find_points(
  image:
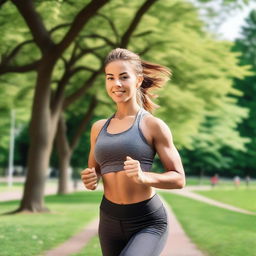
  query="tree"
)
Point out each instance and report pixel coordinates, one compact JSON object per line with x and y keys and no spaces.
{"x":48,"y":103}
{"x":245,"y":162}
{"x":45,"y":113}
{"x":209,"y":61}
{"x":119,"y":39}
{"x":184,"y":46}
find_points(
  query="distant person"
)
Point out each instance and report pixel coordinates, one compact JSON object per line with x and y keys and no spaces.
{"x":247,"y":180}
{"x":133,"y":219}
{"x":214,"y":180}
{"x":237,"y":181}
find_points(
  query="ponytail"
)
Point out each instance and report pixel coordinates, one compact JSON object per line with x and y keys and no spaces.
{"x":155,"y":76}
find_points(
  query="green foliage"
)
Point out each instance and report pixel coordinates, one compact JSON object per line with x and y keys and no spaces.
{"x":245,"y":161}
{"x":198,"y":103}
{"x":16,"y":94}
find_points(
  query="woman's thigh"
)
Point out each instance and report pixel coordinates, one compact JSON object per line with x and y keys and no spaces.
{"x":147,"y":235}
{"x":144,"y":234}
{"x":145,"y":244}
{"x":111,"y":237}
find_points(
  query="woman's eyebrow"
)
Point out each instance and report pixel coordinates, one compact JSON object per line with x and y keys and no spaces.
{"x":109,"y":74}
{"x":123,"y":73}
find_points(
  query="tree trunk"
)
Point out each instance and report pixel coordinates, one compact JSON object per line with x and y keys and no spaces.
{"x":201,"y":176}
{"x":65,"y":150}
{"x":44,"y":119}
{"x":64,"y":157}
{"x":64,"y":183}
{"x":42,"y":129}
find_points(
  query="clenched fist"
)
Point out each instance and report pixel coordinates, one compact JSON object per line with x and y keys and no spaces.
{"x":133,"y":170}
{"x":90,"y":178}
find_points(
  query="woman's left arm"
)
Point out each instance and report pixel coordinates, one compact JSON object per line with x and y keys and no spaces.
{"x":174,"y":175}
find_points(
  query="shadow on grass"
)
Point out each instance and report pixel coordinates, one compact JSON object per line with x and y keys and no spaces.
{"x":93,"y":197}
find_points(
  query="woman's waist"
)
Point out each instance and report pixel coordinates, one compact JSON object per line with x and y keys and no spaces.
{"x":126,"y":195}
{"x":130,"y":210}
{"x":121,"y":189}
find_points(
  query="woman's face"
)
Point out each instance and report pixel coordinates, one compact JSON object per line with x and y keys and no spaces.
{"x":121,"y":81}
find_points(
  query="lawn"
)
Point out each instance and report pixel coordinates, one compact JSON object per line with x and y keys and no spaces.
{"x":32,"y":234}
{"x":216,"y":231}
{"x":17,"y":186}
{"x":223,"y":182}
{"x":194,"y":180}
{"x":242,"y":197}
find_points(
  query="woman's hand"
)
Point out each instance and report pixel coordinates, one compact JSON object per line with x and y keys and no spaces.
{"x":133,"y":170}
{"x":89,"y":178}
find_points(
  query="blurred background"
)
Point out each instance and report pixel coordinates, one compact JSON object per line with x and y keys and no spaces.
{"x":52,"y":90}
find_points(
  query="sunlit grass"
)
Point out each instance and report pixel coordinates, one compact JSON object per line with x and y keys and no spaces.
{"x":32,"y":234}
{"x":17,"y":186}
{"x":216,"y":231}
{"x":241,"y":197}
{"x":223,"y":182}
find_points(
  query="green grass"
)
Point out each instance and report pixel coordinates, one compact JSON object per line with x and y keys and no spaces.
{"x":32,"y":234}
{"x":223,"y":182}
{"x":216,"y":231}
{"x":193,"y":181}
{"x":17,"y":186}
{"x":242,"y":197}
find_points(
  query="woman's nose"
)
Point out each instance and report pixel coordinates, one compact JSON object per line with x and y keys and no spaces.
{"x":118,"y":82}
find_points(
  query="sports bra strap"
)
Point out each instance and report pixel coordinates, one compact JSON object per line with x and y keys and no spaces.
{"x":107,"y":122}
{"x":142,"y":113}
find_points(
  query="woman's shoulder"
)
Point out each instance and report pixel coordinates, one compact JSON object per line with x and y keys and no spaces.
{"x":157,"y":127}
{"x":97,"y":125}
{"x":154,"y":122}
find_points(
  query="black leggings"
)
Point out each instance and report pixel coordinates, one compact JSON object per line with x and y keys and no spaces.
{"x":133,"y":229}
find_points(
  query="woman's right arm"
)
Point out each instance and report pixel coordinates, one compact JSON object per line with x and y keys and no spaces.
{"x":91,"y":175}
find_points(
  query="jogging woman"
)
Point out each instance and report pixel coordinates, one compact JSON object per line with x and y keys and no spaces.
{"x":133,"y":220}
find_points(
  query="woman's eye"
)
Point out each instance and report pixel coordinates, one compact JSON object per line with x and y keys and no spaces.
{"x":109,"y":78}
{"x":124,"y":77}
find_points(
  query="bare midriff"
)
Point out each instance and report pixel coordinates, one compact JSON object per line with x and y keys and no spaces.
{"x":120,"y":189}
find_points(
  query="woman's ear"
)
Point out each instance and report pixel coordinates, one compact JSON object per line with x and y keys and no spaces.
{"x":140,"y":79}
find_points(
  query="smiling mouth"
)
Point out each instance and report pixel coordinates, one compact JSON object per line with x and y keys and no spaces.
{"x":118,"y":92}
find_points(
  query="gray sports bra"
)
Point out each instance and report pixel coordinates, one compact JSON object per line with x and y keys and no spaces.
{"x":111,"y":149}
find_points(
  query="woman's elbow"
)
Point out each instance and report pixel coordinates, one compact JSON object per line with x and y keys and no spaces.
{"x":181,"y":182}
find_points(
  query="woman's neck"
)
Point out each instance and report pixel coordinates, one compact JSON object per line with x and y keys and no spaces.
{"x":122,"y":111}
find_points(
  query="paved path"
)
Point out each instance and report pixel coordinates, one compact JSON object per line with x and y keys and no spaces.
{"x":178,"y":243}
{"x":76,"y":243}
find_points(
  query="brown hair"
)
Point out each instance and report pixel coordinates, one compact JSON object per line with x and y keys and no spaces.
{"x":155,"y":76}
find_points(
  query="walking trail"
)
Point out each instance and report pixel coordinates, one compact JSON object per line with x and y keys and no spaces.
{"x":178,"y":243}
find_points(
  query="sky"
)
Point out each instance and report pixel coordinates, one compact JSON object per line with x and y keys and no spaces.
{"x":231,"y":23}
{"x":230,"y":29}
